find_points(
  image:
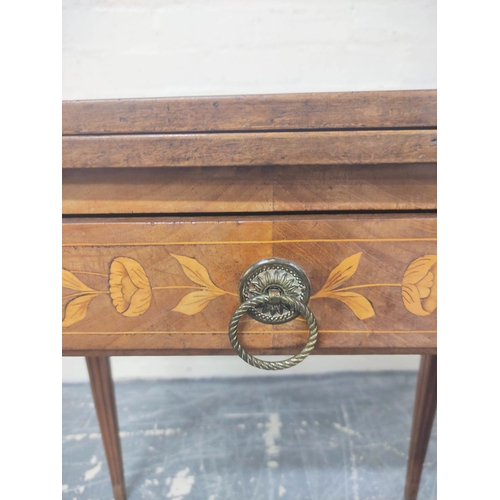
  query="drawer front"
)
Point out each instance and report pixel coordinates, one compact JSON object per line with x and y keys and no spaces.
{"x":169,"y":286}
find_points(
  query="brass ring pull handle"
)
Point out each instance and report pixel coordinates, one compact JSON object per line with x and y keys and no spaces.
{"x":274,"y":291}
{"x":273,"y":365}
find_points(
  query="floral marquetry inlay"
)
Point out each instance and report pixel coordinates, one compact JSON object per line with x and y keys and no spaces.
{"x":420,"y":286}
{"x":129,"y":287}
{"x":194,"y":302}
{"x":131,"y":292}
{"x":358,"y":304}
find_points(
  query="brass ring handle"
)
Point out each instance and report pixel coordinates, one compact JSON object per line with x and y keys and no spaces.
{"x":261,"y":300}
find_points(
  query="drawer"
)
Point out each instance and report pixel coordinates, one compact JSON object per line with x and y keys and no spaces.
{"x":169,"y":285}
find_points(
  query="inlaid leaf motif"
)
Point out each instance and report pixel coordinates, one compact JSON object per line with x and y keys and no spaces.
{"x":195,"y":302}
{"x":195,"y":271}
{"x":69,"y":280}
{"x":76,"y":309}
{"x":340,"y":274}
{"x":129,"y":287}
{"x":358,"y":304}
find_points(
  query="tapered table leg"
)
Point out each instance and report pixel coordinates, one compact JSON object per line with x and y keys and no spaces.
{"x":423,"y":418}
{"x":101,"y":383}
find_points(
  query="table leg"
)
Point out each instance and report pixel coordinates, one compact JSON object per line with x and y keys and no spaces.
{"x":101,"y":383}
{"x":423,"y":418}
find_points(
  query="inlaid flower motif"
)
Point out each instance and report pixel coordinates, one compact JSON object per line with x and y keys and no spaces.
{"x":419,"y":286}
{"x":129,"y":287}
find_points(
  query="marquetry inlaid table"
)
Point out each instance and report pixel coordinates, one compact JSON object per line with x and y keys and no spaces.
{"x":276,"y":224}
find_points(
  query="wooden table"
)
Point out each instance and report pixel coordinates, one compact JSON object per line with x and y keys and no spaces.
{"x":167,"y":202}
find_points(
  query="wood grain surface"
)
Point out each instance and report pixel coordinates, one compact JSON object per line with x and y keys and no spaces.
{"x":254,"y":189}
{"x":423,"y":420}
{"x":335,"y":110}
{"x":103,"y":392}
{"x":168,"y":286}
{"x":250,"y":149}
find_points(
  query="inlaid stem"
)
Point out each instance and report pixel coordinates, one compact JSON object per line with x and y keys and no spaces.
{"x":90,"y":273}
{"x":221,"y":292}
{"x":371,"y":285}
{"x":97,"y":292}
{"x":177,"y":287}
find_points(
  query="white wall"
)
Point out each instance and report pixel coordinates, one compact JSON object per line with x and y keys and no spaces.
{"x":151,"y":48}
{"x":154,"y":48}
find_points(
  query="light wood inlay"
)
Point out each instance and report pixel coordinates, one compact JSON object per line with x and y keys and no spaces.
{"x":361,"y":286}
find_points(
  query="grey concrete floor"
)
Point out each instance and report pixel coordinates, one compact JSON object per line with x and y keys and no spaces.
{"x":340,"y":436}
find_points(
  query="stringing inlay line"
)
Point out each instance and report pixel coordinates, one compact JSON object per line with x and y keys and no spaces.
{"x":251,"y":332}
{"x":266,"y":242}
